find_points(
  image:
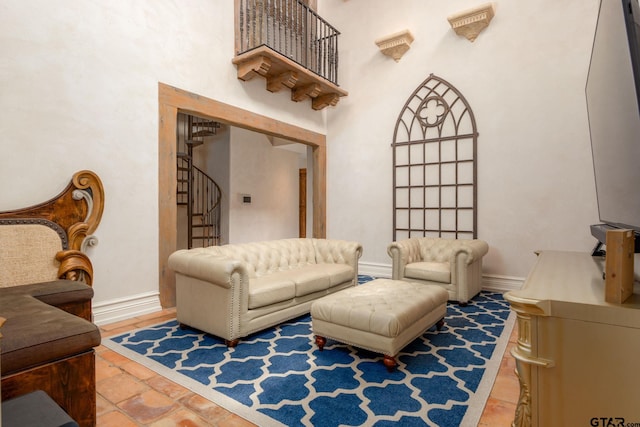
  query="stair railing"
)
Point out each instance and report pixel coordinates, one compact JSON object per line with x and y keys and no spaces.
{"x":196,"y":190}
{"x":206,"y":209}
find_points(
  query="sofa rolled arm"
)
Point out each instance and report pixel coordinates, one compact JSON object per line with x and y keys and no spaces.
{"x":338,"y":251}
{"x":212,"y":268}
{"x":473,"y":249}
{"x":403,"y":252}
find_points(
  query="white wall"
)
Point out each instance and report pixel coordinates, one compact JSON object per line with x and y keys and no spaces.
{"x":79,"y":90}
{"x":243,"y":162}
{"x":524,"y":78}
{"x":270,"y":177}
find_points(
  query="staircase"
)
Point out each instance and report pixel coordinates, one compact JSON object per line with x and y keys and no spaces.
{"x":196,"y":190}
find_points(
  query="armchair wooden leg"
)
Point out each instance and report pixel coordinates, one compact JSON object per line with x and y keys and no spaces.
{"x":320,"y":342}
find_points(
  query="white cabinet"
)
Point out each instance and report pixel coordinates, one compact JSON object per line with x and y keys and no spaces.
{"x":578,"y":357}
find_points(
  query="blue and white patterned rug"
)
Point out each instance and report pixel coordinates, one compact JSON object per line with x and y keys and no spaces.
{"x":279,"y":377}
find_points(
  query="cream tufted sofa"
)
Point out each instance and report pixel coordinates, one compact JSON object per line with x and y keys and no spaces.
{"x":234,"y":290}
{"x":456,"y":265}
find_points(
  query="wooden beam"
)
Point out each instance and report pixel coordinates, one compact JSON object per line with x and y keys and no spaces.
{"x":319,"y":191}
{"x":167,"y":207}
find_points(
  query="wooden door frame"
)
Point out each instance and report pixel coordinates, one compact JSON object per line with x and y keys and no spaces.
{"x":302,"y":202}
{"x":172,"y":101}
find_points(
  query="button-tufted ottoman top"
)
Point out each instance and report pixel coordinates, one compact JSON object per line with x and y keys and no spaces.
{"x":383,"y":306}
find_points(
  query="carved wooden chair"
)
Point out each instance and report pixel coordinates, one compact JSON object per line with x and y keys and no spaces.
{"x":47,"y":241}
{"x":43,"y":264}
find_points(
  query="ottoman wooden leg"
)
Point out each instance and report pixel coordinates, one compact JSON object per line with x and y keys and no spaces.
{"x":389,"y":362}
{"x":320,"y":342}
{"x":232,"y":343}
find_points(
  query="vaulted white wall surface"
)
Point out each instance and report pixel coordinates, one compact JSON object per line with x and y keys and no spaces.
{"x":524,"y":77}
{"x":269,"y":176}
{"x":79,"y":86}
{"x":80,"y":80}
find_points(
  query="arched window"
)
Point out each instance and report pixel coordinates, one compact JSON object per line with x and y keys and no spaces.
{"x":434,"y":165}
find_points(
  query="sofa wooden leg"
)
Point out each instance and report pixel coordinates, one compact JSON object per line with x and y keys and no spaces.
{"x":320,"y":342}
{"x":463,"y":303}
{"x":440,"y":324}
{"x":232,"y":343}
{"x":389,"y":362}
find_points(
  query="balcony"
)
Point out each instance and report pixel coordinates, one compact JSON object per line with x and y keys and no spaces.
{"x":291,"y":46}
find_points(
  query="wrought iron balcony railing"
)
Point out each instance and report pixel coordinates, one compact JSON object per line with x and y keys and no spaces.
{"x":292,"y":29}
{"x":292,"y":46}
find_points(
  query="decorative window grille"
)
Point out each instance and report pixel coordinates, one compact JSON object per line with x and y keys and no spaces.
{"x":434,"y":165}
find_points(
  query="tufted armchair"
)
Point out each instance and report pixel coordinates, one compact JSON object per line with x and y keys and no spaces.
{"x":456,"y":265}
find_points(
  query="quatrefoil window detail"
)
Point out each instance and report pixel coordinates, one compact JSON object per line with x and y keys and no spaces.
{"x":432,"y":111}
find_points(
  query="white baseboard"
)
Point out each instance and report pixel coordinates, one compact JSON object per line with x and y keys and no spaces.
{"x":490,"y":282}
{"x":125,"y":308}
{"x":374,"y":269}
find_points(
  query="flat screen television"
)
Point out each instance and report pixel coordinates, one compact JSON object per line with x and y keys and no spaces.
{"x":613,"y":100}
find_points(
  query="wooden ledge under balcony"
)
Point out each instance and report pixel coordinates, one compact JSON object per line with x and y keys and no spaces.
{"x":281,"y":72}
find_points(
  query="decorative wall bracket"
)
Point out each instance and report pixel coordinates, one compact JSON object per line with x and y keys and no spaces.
{"x":396,"y":44}
{"x":471,"y":22}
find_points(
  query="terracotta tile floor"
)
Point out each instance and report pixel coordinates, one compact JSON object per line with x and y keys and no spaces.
{"x":131,"y":395}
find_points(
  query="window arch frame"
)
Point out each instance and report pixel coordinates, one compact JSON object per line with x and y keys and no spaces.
{"x":435,"y":197}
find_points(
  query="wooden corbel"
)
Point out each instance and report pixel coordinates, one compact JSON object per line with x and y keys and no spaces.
{"x":322,"y":101}
{"x":286,"y":79}
{"x":256,"y":65}
{"x":300,"y":94}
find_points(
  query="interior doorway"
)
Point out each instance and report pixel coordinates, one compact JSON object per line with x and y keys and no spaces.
{"x":173,"y":101}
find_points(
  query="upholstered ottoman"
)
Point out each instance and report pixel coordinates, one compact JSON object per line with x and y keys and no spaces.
{"x":382,"y":315}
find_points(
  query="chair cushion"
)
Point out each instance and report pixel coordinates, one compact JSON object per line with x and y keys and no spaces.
{"x":308,"y":279}
{"x":285,"y":285}
{"x":270,"y":289}
{"x":35,"y":332}
{"x":56,"y":293}
{"x":338,"y":273}
{"x":433,"y":271}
